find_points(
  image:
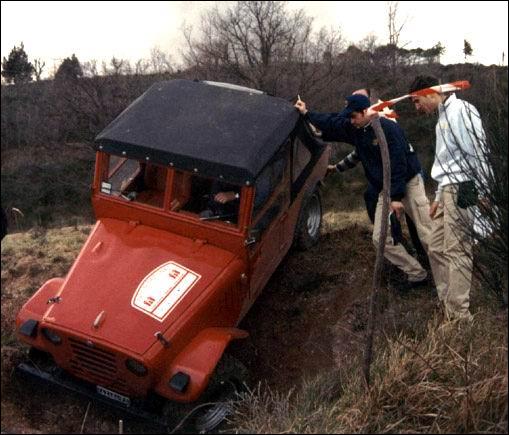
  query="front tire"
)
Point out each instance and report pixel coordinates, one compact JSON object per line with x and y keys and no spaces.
{"x":228,"y":379}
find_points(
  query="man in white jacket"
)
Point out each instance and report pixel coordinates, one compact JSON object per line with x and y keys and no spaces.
{"x":460,"y":168}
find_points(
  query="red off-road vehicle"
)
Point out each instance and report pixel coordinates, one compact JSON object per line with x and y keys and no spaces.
{"x":200,"y":189}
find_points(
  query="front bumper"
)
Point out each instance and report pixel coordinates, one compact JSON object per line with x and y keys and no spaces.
{"x":145,"y":409}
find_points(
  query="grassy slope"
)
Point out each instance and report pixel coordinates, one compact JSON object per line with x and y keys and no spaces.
{"x":50,"y":185}
{"x":429,"y":375}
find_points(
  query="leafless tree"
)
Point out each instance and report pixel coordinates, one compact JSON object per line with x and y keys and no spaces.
{"x":141,"y":66}
{"x":90,"y":68}
{"x":115,"y":67}
{"x":105,"y":68}
{"x":160,"y":61}
{"x":257,"y":43}
{"x":369,"y":43}
{"x":395,"y":29}
{"x":38,"y":68}
{"x":118,"y":67}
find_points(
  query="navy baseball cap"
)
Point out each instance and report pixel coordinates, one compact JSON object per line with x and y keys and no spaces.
{"x":355,"y":103}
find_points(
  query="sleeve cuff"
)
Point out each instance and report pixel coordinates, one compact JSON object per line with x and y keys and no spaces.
{"x":397,"y":197}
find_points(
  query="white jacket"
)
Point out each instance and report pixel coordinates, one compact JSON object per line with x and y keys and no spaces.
{"x":461,"y":152}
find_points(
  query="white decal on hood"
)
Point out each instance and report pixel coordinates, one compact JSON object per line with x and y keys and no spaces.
{"x":161,"y":290}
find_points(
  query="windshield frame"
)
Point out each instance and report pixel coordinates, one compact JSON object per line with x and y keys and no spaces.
{"x":102,"y":172}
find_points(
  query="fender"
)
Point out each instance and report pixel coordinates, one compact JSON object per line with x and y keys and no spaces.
{"x":35,"y":308}
{"x":37,"y":305}
{"x":198,"y":360}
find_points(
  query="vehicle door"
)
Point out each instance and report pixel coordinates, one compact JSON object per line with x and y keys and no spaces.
{"x":270,"y":211}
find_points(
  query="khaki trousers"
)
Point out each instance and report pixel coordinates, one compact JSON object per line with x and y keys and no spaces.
{"x":417,"y":206}
{"x":450,"y":247}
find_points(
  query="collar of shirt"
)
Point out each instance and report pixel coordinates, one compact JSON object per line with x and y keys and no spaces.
{"x":365,"y":128}
{"x":443,"y":106}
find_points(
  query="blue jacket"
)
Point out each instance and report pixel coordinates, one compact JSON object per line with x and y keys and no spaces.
{"x":404,"y":162}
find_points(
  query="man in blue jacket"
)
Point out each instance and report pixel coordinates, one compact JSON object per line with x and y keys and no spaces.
{"x":353,"y":126}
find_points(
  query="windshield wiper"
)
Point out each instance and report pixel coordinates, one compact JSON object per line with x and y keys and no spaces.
{"x":217,"y":216}
{"x":130,"y":196}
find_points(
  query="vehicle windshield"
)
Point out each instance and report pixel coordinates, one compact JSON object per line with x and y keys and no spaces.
{"x":203,"y":198}
{"x":209,"y":199}
{"x":132,"y":180}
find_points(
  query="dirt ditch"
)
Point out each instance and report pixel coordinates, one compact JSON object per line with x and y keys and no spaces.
{"x":297,"y":329}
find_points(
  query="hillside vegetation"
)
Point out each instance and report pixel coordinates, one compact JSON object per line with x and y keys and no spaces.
{"x":308,"y":327}
{"x":429,"y":375}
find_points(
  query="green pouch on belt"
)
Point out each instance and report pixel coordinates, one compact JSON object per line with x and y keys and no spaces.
{"x":467,"y":194}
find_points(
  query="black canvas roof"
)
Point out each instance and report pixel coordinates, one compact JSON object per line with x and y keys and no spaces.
{"x":211,"y":130}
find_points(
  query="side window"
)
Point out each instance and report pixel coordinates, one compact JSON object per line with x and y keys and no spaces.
{"x":301,"y":156}
{"x":264,"y":220}
{"x":272,"y":188}
{"x":305,"y":153}
{"x":268,"y":180}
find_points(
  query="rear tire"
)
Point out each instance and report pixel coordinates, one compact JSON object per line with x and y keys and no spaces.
{"x":310,"y":221}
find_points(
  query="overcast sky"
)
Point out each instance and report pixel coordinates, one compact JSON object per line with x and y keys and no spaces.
{"x":99,"y":30}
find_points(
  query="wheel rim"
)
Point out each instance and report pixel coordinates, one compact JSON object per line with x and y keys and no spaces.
{"x":212,"y":417}
{"x":314,"y":216}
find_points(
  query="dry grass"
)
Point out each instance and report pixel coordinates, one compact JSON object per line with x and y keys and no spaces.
{"x":339,"y":220}
{"x":429,"y":375}
{"x":453,"y":380}
{"x":28,"y":260}
{"x":312,"y":409}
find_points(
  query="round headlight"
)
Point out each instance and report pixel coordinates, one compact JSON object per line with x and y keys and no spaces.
{"x":51,"y":336}
{"x":136,"y":367}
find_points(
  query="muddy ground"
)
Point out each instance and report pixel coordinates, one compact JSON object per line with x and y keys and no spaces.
{"x":306,"y":322}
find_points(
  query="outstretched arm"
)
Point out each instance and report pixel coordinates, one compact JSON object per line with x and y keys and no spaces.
{"x":334,"y":126}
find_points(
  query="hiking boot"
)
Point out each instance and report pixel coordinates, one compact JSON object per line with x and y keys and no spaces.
{"x":406,"y":286}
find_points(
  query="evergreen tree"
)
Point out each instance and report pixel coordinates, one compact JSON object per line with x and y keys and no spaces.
{"x":16,"y":68}
{"x":70,"y":68}
{"x":467,"y":49}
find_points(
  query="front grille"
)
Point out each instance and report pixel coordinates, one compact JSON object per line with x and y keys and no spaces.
{"x":96,"y":365}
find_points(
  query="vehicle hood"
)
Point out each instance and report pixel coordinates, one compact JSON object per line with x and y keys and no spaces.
{"x":131,"y":281}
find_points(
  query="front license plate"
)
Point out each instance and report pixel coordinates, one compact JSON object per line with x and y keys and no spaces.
{"x":114,"y":396}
